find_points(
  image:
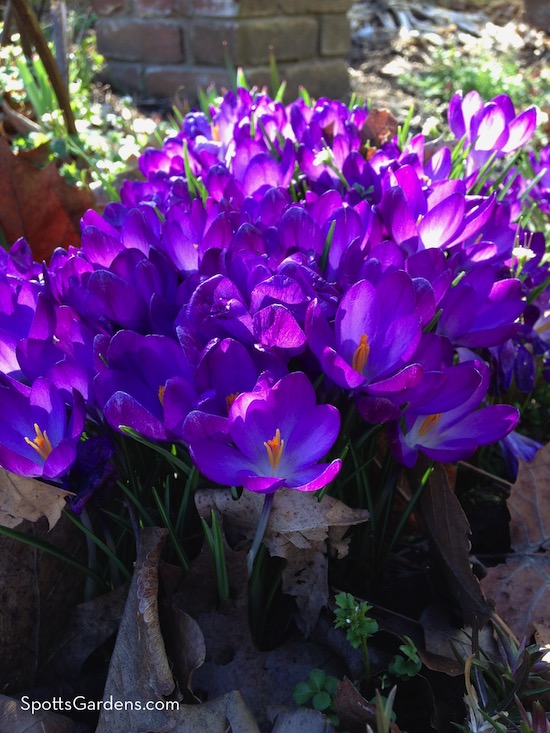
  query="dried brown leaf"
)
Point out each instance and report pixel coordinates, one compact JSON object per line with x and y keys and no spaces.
{"x":265,"y":679}
{"x":140,"y":671}
{"x":303,"y":720}
{"x":380,"y":126}
{"x":27,"y":498}
{"x":520,"y":588}
{"x":187,"y":648}
{"x":91,"y":624}
{"x":529,"y":504}
{"x":226,"y":713}
{"x":15,"y":719}
{"x":301,"y":530}
{"x":450,"y":530}
{"x":36,"y":203}
{"x":38,"y":592}
{"x":139,"y":668}
{"x":354,"y":710}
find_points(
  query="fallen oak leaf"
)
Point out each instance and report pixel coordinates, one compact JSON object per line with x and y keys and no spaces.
{"x":380,"y":127}
{"x":27,"y":498}
{"x":520,"y":587}
{"x":301,"y":529}
{"x":39,"y":205}
{"x":265,"y":679}
{"x":529,"y":505}
{"x":140,"y":673}
{"x":90,"y":625}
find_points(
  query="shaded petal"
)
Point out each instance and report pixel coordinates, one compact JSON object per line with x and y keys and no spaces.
{"x":220,"y":462}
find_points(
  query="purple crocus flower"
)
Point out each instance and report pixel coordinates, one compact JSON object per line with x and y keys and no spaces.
{"x":454,"y":434}
{"x":41,"y":436}
{"x":225,"y":370}
{"x":277,"y":436}
{"x":516,"y":446}
{"x":370,"y":346}
{"x":144,"y":383}
{"x":489,"y":128}
{"x":479,"y":312}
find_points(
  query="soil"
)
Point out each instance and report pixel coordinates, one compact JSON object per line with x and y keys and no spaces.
{"x":391,"y":41}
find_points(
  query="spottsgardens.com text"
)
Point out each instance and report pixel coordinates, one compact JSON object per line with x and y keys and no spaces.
{"x":80,"y":703}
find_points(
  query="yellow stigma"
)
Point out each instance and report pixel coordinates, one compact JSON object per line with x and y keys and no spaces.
{"x":230,"y":399}
{"x":274,"y":448}
{"x":361,"y":354}
{"x":162,"y":390}
{"x":41,"y":443}
{"x":428,"y":423}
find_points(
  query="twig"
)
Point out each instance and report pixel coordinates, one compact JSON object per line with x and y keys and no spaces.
{"x":32,"y":29}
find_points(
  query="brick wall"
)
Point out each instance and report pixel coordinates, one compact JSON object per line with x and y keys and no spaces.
{"x":156,"y":48}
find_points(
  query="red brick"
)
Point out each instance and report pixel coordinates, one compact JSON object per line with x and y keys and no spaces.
{"x":322,"y":78}
{"x":303,"y":7}
{"x":335,"y":38}
{"x":108,"y":7}
{"x":133,"y":40}
{"x":208,"y":8}
{"x":164,"y":82}
{"x":124,"y":76}
{"x":214,"y":43}
{"x":289,"y":39}
{"x":154,"y":8}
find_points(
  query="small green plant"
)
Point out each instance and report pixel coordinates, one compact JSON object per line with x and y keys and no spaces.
{"x":353,"y":616}
{"x":319,"y":690}
{"x":503,"y":691}
{"x":491,"y":75}
{"x":408,"y":664}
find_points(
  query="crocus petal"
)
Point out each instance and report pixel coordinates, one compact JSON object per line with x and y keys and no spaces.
{"x":440,"y":223}
{"x":315,"y":477}
{"x":520,"y":130}
{"x":262,"y":484}
{"x":220,"y":462}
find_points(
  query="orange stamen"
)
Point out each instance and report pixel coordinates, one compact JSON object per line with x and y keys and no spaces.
{"x":428,"y":423}
{"x":162,"y":390}
{"x":361,"y":354}
{"x":274,"y":449}
{"x":41,"y":443}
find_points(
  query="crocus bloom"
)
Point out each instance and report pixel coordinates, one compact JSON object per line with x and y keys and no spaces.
{"x":41,"y":435}
{"x":515,"y":446}
{"x":278,"y":434}
{"x":480,"y":312}
{"x":371,"y":343}
{"x":453,"y":434}
{"x":146,"y":384}
{"x":489,"y":128}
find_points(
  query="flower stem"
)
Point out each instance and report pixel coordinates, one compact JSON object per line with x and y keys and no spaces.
{"x":260,"y":530}
{"x":366,"y":660}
